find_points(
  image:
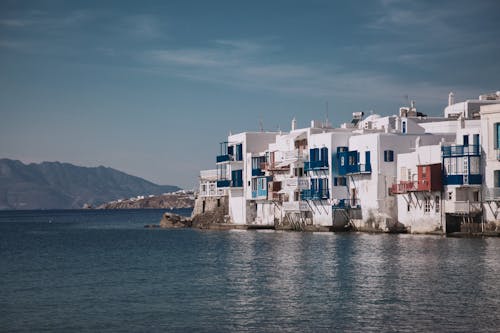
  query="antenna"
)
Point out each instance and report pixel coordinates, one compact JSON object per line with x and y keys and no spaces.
{"x":407,"y":99}
{"x":261,"y":125}
{"x":327,"y":120}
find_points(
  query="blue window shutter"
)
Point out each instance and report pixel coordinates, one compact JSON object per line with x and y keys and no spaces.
{"x":497,"y":135}
{"x":385,"y":155}
{"x":335,"y":181}
{"x":496,"y":176}
{"x":391,"y":155}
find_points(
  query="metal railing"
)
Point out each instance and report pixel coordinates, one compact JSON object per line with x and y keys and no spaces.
{"x":461,"y":150}
{"x":315,"y":194}
{"x":463,"y":207}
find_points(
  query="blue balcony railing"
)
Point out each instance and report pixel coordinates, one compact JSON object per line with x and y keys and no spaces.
{"x":223,"y":183}
{"x":257,"y":172}
{"x":346,"y":204}
{"x":315,"y":194}
{"x":461,"y":150}
{"x":223,"y":158}
{"x":462,"y":179}
{"x":237,"y":183}
{"x":315,"y":165}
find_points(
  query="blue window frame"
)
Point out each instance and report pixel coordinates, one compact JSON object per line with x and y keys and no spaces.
{"x":497,"y":135}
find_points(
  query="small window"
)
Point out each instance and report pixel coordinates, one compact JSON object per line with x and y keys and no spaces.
{"x":466,"y":140}
{"x":496,"y":141}
{"x":404,"y":127}
{"x":427,"y":206}
{"x":424,"y":172}
{"x":408,"y":207}
{"x":450,"y":195}
{"x":296,"y":196}
{"x":342,"y":161}
{"x":436,"y":203}
{"x":496,"y":178}
{"x":388,"y":155}
{"x":218,"y":202}
{"x":339,"y":181}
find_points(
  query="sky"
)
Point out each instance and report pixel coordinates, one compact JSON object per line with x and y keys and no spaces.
{"x":152,"y":87}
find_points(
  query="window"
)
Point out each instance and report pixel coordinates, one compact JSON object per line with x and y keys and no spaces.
{"x":352,"y":160}
{"x":427,"y":206}
{"x":298,"y":172}
{"x":388,"y":155}
{"x":424,"y":172}
{"x":254,"y":184}
{"x":239,"y":152}
{"x":475,"y":140}
{"x":496,"y":178}
{"x":218,"y":202}
{"x":436,"y":203}
{"x":404,"y":127}
{"x":339,"y":181}
{"x":408,"y":207}
{"x":466,"y":140}
{"x":262,"y":183}
{"x":342,"y":161}
{"x":496,"y":139}
{"x":296,"y":196}
{"x":450,"y":195}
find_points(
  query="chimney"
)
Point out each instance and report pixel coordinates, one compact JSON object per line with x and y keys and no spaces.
{"x":451,"y":98}
{"x":294,"y":124}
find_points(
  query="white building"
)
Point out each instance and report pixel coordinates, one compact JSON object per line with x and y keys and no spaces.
{"x":406,"y":171}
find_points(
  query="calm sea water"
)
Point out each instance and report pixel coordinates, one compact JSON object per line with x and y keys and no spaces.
{"x":101,"y":271}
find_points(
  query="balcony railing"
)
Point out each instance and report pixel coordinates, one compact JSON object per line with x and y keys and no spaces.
{"x":462,"y":179}
{"x":346,"y":204}
{"x":461,"y":150}
{"x":315,"y":194}
{"x":223,"y":183}
{"x":297,"y":206}
{"x":259,"y":194}
{"x":492,"y":193}
{"x":356,"y":169}
{"x":411,"y":186}
{"x":315,"y":165}
{"x":463,"y":207}
{"x":224,"y":158}
{"x":257,"y":172}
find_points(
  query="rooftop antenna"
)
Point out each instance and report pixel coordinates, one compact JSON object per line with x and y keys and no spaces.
{"x":261,"y":125}
{"x":407,"y":99}
{"x":327,"y":123}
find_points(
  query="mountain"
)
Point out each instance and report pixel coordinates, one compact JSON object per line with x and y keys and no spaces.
{"x":52,"y":185}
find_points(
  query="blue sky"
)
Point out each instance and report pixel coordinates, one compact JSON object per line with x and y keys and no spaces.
{"x":151,"y":87}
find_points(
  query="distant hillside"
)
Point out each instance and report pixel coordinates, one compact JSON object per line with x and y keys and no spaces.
{"x":175,"y":200}
{"x":62,"y":185}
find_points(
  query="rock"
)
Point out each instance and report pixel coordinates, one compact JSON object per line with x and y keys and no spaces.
{"x":170,"y":220}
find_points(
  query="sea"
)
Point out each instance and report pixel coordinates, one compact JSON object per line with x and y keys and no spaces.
{"x":102,"y":271}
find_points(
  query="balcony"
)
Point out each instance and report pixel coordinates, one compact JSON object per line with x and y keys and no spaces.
{"x":492,"y":193}
{"x":413,"y":186}
{"x":295,"y":206}
{"x":460,"y":150}
{"x":224,"y":158}
{"x":360,"y":169}
{"x":463,"y":207}
{"x":462,"y":179}
{"x":223,"y":183}
{"x":257,"y":172}
{"x":346,"y":204}
{"x":316,"y":165}
{"x":259,"y":194}
{"x":323,"y":194}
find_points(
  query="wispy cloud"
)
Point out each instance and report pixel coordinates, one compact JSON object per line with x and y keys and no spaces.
{"x":232,"y":64}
